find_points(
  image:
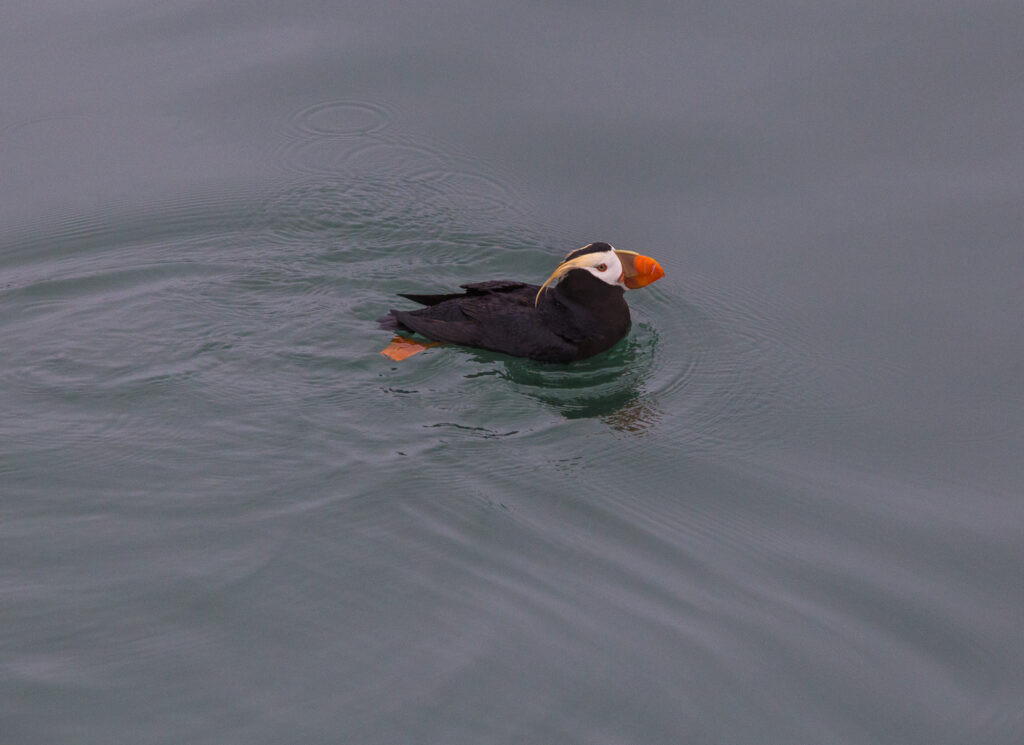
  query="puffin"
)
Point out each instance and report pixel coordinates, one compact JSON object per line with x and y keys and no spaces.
{"x":579,"y":311}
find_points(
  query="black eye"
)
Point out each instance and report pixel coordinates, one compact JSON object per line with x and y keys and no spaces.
{"x":601,"y":267}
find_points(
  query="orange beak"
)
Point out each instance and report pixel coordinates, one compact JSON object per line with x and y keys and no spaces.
{"x":638,"y":270}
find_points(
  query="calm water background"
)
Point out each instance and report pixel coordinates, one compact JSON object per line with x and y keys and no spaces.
{"x":787,"y":509}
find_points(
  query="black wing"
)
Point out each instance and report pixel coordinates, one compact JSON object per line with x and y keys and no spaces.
{"x":476,"y":288}
{"x":495,"y":316}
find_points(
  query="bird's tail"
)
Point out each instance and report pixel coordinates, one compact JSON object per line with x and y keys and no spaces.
{"x":388,"y":322}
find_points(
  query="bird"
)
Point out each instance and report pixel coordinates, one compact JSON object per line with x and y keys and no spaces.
{"x":578,"y":312}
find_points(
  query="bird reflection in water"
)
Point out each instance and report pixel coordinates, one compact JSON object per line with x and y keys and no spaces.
{"x":610,"y":387}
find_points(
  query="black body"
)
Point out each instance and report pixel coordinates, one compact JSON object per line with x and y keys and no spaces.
{"x":575,"y":319}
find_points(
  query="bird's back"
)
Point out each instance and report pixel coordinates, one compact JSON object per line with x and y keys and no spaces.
{"x":499,"y":316}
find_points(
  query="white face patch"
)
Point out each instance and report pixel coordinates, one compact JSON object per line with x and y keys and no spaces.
{"x":606,"y":267}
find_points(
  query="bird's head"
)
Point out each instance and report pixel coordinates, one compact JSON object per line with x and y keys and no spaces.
{"x":626,"y":269}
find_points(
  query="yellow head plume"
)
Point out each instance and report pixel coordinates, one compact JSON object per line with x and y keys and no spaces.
{"x":564,"y":268}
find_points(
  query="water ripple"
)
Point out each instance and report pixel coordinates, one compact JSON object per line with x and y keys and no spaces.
{"x":342,"y":119}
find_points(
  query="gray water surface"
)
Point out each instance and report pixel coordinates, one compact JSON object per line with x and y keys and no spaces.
{"x":786,"y":509}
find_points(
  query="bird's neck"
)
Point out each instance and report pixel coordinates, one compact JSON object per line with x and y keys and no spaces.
{"x":583,"y":288}
{"x":585,"y":296}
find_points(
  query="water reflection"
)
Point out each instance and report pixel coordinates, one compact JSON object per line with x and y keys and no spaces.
{"x":610,"y":387}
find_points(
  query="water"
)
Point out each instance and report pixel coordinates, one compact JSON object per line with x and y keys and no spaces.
{"x":786,"y":509}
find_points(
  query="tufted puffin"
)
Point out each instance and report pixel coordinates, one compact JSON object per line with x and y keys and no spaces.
{"x":578,"y":312}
